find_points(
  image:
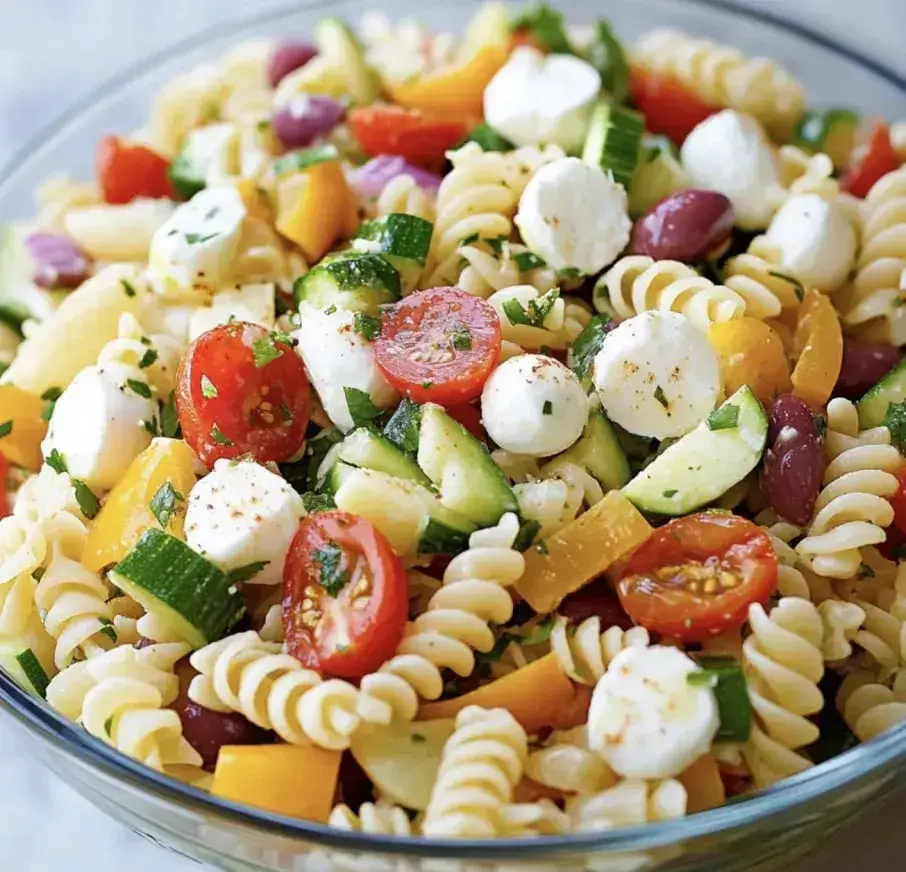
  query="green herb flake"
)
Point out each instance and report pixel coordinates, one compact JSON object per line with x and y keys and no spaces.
{"x":527,"y":260}
{"x":670,"y":494}
{"x":50,"y":397}
{"x":541,"y":547}
{"x":546,"y":26}
{"x":315,"y":503}
{"x":139,"y":387}
{"x":418,"y":738}
{"x":165,"y":504}
{"x":460,"y":337}
{"x":701,"y":678}
{"x":265,"y":351}
{"x":244,"y":573}
{"x":865,"y":571}
{"x":547,"y":408}
{"x":169,"y":420}
{"x":108,"y":629}
{"x":526,"y":535}
{"x":151,"y":426}
{"x":661,"y":397}
{"x":199,"y":239}
{"x":588,"y":343}
{"x":821,"y":425}
{"x":330,"y":310}
{"x":56,"y":461}
{"x":724,"y":418}
{"x":285,"y":413}
{"x":149,"y":358}
{"x":361,"y":408}
{"x":208,"y":388}
{"x":540,"y":632}
{"x":496,"y":243}
{"x":470,"y":240}
{"x":333,"y":576}
{"x":534,"y":314}
{"x":86,"y":498}
{"x":798,"y":287}
{"x":108,"y":726}
{"x":128,"y":288}
{"x":218,"y":437}
{"x":895,"y":422}
{"x":366,"y":325}
{"x":6,"y":428}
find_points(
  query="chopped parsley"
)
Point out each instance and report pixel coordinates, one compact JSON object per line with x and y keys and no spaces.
{"x":208,"y":388}
{"x":265,"y":351}
{"x":218,"y":437}
{"x":541,"y":632}
{"x":169,"y":420}
{"x":86,"y":498}
{"x":588,"y":343}
{"x":149,"y":358}
{"x":50,"y":396}
{"x":418,"y":738}
{"x":547,"y":408}
{"x":724,"y":418}
{"x":546,"y":27}
{"x":570,"y":274}
{"x":139,"y":387}
{"x":496,"y":243}
{"x":661,"y":397}
{"x":669,"y":494}
{"x":821,"y":425}
{"x":285,"y":413}
{"x":865,"y":571}
{"x":108,"y":629}
{"x":798,"y":287}
{"x":244,"y":573}
{"x":534,"y":314}
{"x":333,"y":577}
{"x":895,"y":422}
{"x":460,"y":337}
{"x":469,"y":240}
{"x":330,"y":309}
{"x":165,"y":504}
{"x":361,"y":409}
{"x":366,"y":325}
{"x":427,"y":384}
{"x":56,"y":461}
{"x":317,"y":502}
{"x":198,"y":239}
{"x":6,"y":428}
{"x":527,"y":260}
{"x":128,"y":288}
{"x":151,"y":426}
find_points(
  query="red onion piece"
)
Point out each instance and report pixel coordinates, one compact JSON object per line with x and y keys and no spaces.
{"x":306,"y":118}
{"x":59,"y":262}
{"x":288,"y":57}
{"x":369,"y":180}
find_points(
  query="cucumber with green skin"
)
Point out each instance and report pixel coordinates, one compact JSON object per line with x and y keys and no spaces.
{"x":599,"y":452}
{"x":356,"y":281}
{"x":21,"y":664}
{"x":341,"y":51}
{"x":189,"y":170}
{"x":404,"y":240}
{"x":368,"y":449}
{"x":889,"y":390}
{"x":613,"y":141}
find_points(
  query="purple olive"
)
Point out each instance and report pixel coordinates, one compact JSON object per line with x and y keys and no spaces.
{"x":793,"y":465}
{"x":287,"y":57}
{"x":305,"y":119}
{"x":687,"y":226}
{"x":864,"y":365}
{"x":59,"y":262}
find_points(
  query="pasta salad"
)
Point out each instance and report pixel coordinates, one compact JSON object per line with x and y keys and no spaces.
{"x":482,"y":436}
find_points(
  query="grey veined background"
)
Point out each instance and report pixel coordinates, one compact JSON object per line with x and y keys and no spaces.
{"x":51,"y":53}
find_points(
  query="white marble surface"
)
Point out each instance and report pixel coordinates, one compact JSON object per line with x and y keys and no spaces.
{"x":52,"y":51}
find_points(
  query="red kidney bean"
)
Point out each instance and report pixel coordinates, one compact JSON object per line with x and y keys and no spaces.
{"x":306,"y":118}
{"x":59,"y":262}
{"x":287,"y":57}
{"x":864,"y":365}
{"x":793,"y":465}
{"x":687,"y":226}
{"x":596,"y":599}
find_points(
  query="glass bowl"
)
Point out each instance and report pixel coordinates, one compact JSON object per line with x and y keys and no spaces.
{"x":766,"y":831}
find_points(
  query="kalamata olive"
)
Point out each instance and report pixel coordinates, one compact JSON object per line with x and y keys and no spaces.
{"x":59,"y":262}
{"x":793,"y":465}
{"x":687,"y":226}
{"x":864,"y":365}
{"x":288,"y":56}
{"x":596,"y":599}
{"x":306,"y":118}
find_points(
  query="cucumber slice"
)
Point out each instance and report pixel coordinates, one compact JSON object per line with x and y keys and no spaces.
{"x":342,"y":51}
{"x":613,"y":141}
{"x":705,"y":463}
{"x":469,"y":481}
{"x":335,"y":476}
{"x":891,"y":389}
{"x":599,"y":451}
{"x":657,"y":175}
{"x":358,"y":282}
{"x":402,"y":239}
{"x":404,"y":424}
{"x":411,"y":517}
{"x":23,"y":666}
{"x":189,"y":171}
{"x":194,"y":598}
{"x":488,"y":139}
{"x":371,"y":450}
{"x":832,"y":131}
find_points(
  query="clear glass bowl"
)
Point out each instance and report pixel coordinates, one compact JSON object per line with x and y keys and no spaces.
{"x":767,"y":831}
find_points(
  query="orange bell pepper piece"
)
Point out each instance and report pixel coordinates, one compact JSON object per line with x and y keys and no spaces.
{"x":751,"y":353}
{"x":20,"y":417}
{"x":819,"y":345}
{"x":456,"y":92}
{"x":704,"y":786}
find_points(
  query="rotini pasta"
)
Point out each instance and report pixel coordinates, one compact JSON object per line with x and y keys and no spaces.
{"x":565,"y":763}
{"x":802,"y":173}
{"x":22,"y":548}
{"x":373,"y":818}
{"x":629,"y":803}
{"x":490,"y":271}
{"x":869,"y":707}
{"x":585,"y":654}
{"x":403,"y":195}
{"x":757,"y":277}
{"x":131,"y":348}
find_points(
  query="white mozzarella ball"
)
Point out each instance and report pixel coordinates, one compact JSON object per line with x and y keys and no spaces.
{"x":243,"y":513}
{"x":657,"y":375}
{"x":574,"y":216}
{"x":816,"y":241}
{"x":98,"y":424}
{"x":536,"y":98}
{"x":253,"y":303}
{"x":730,"y":153}
{"x":532,"y":404}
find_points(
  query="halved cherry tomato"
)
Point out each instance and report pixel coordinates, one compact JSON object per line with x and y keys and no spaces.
{"x":898,"y":502}
{"x":470,"y":418}
{"x":405,"y":132}
{"x":697,"y":576}
{"x":667,"y":106}
{"x":5,"y":508}
{"x":345,"y":598}
{"x":439,"y":346}
{"x":126,"y":171}
{"x":880,"y":158}
{"x":240,"y":390}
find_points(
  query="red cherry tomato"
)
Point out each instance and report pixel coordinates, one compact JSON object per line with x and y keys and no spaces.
{"x":345,"y":598}
{"x":126,"y":171}
{"x":5,"y":507}
{"x":668,"y":107}
{"x":697,"y":576}
{"x":405,"y":132}
{"x":898,"y":502}
{"x":470,"y":418}
{"x":241,"y":391}
{"x":880,"y":158}
{"x":439,"y":346}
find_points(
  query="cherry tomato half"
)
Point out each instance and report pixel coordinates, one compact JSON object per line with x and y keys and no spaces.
{"x":696,"y":577}
{"x":126,"y":171}
{"x":345,"y":598}
{"x":439,"y":346}
{"x":405,"y":132}
{"x":470,"y":418}
{"x":880,"y":158}
{"x":240,"y":390}
{"x":668,"y":107}
{"x":898,"y":502}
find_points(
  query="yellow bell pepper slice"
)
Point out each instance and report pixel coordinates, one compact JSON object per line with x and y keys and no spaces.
{"x":252,"y":198}
{"x":819,"y":345}
{"x":127,"y":513}
{"x":751,"y":353}
{"x":318,"y":211}
{"x":453,"y":92}
{"x":581,"y":551}
{"x":20,"y":414}
{"x":285,"y":779}
{"x":704,"y":786}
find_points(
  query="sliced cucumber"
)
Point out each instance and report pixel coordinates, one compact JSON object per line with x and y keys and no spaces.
{"x":705,"y":463}
{"x":203,"y":147}
{"x":335,"y":476}
{"x":469,"y":481}
{"x":832,"y":131}
{"x":891,"y":389}
{"x":404,"y":240}
{"x":599,"y":451}
{"x":411,"y":517}
{"x":613,"y":141}
{"x":23,"y":666}
{"x":342,"y":51}
{"x":371,"y":450}
{"x":657,"y":175}
{"x":488,"y":139}
{"x":404,"y":424}
{"x":188,"y":593}
{"x":358,"y":282}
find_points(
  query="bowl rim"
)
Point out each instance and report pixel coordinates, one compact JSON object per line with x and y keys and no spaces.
{"x":854,"y":765}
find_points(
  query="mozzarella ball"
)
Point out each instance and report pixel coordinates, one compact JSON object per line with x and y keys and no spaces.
{"x":253,"y":303}
{"x":534,"y":405}
{"x":657,"y":375}
{"x":730,"y":153}
{"x":243,"y":513}
{"x":574,"y":216}
{"x":98,"y":424}
{"x":536,"y":98}
{"x":816,"y":241}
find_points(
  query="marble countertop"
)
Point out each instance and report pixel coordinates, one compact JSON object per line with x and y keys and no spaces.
{"x":51,"y":52}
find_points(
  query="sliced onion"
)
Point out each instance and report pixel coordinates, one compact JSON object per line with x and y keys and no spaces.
{"x":287,"y":57}
{"x":59,"y":262}
{"x":306,"y":118}
{"x":369,"y":180}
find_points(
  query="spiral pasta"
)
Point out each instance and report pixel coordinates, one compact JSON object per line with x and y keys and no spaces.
{"x":565,"y":763}
{"x":802,"y":173}
{"x":723,"y":76}
{"x":488,"y":271}
{"x":756,"y":275}
{"x":45,"y":495}
{"x":793,"y":577}
{"x":403,"y":195}
{"x":640,"y":284}
{"x":481,"y":764}
{"x":373,"y":818}
{"x":783,"y":663}
{"x":868,"y":707}
{"x":629,"y":803}
{"x":154,"y":359}
{"x":22,"y":547}
{"x":585,"y":654}
{"x":852,"y":508}
{"x":17,"y":605}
